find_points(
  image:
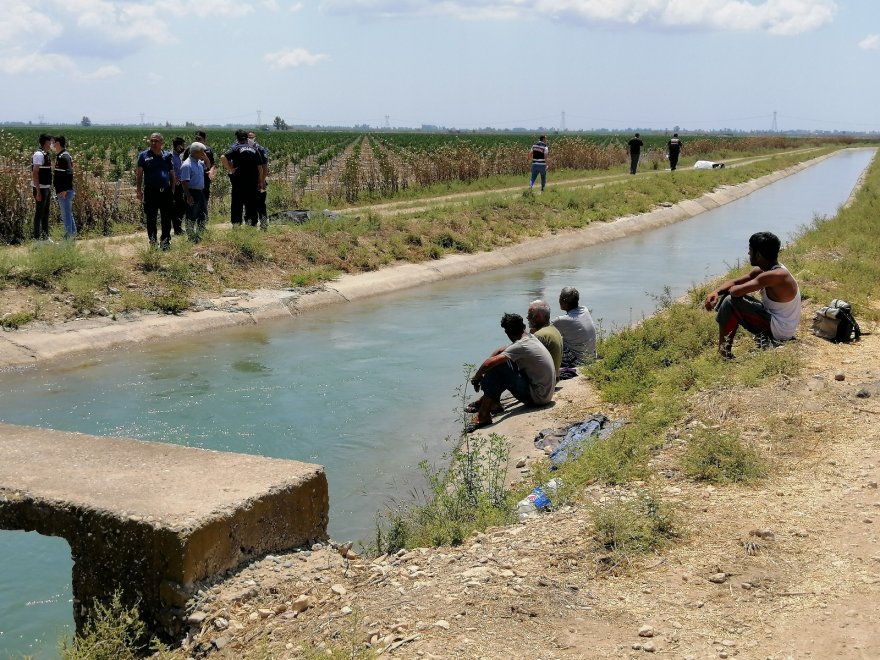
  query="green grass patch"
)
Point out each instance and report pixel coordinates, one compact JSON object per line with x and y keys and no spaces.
{"x":720,"y":456}
{"x":312,"y":276}
{"x":627,"y":528}
{"x":15,"y":320}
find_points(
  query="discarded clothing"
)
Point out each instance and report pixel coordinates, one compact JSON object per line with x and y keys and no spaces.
{"x":569,"y":442}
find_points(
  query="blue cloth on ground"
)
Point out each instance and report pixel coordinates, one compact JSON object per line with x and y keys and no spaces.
{"x":580,"y":436}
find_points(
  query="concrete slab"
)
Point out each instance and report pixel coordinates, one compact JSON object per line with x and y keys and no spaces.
{"x":151,"y":519}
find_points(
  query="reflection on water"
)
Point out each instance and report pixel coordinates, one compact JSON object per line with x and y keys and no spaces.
{"x":368,"y":389}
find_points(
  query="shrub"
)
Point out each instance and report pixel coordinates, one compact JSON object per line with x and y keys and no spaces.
{"x":15,"y":320}
{"x":313,"y":276}
{"x":722,"y":457}
{"x":630,"y":527}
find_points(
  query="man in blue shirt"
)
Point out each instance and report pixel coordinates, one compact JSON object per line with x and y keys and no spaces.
{"x":154,"y":180}
{"x":192,"y":180}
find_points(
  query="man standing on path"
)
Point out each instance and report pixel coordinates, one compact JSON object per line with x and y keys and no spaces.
{"x":673,"y":147}
{"x":262,"y":212}
{"x":178,"y":208}
{"x":577,"y":329}
{"x":63,"y":179}
{"x":539,"y":162}
{"x":538,"y":317}
{"x":242,"y":162}
{"x":192,"y":180}
{"x":774,"y":319}
{"x":201,"y":138}
{"x":41,"y":184}
{"x":524,"y":368}
{"x":154,"y":179}
{"x":635,"y":151}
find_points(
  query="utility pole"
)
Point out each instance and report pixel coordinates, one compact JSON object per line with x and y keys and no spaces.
{"x":562,"y":123}
{"x":774,"y":128}
{"x":259,"y":118}
{"x":387,"y":121}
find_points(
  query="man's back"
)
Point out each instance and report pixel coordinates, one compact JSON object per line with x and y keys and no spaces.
{"x":552,"y":340}
{"x":535,"y":361}
{"x":578,"y":332}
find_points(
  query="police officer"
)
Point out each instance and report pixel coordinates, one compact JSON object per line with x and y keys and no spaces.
{"x":673,"y":147}
{"x":154,"y":180}
{"x":242,"y":162}
{"x":262,"y":212}
{"x":635,"y":151}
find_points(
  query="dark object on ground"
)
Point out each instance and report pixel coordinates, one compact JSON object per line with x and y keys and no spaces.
{"x":567,"y":372}
{"x":569,"y":442}
{"x":297,"y":216}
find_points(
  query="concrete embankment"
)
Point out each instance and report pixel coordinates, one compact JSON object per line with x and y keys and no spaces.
{"x":40,"y":343}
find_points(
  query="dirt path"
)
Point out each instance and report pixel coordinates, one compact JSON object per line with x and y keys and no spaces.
{"x":786,"y":569}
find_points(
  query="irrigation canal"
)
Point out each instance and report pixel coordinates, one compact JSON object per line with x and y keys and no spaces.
{"x":366,"y":389}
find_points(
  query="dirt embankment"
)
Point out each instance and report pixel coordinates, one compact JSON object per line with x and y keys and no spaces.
{"x":789,"y":568}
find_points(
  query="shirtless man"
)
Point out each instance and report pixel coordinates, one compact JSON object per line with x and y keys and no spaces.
{"x":774,"y":319}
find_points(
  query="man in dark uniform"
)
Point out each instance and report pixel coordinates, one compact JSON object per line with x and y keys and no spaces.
{"x":674,"y":149}
{"x":178,"y":209}
{"x":41,"y":183}
{"x":635,"y":150}
{"x":242,"y":162}
{"x":262,"y":212}
{"x":154,"y":180}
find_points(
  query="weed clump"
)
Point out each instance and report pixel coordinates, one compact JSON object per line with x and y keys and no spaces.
{"x":626,"y":528}
{"x":722,"y":457}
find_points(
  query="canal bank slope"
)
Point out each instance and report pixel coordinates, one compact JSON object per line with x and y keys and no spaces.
{"x":41,"y":342}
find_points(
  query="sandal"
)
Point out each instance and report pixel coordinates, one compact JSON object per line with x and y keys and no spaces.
{"x":474,"y":407}
{"x":475,"y":424}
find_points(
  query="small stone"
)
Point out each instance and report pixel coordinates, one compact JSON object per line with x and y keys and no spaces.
{"x":872,"y":484}
{"x":766,"y":534}
{"x":220,"y":642}
{"x":746,"y":585}
{"x":840,"y":376}
{"x":220,"y":623}
{"x":442,"y":623}
{"x":265,"y":614}
{"x":718,"y":578}
{"x":351,"y":554}
{"x":196,"y":618}
{"x":521,"y":462}
{"x":338,"y":589}
{"x":112,"y":290}
{"x":317,"y":546}
{"x":867,"y":521}
{"x":301,"y":604}
{"x":209,"y":267}
{"x":649,"y":647}
{"x":863,"y":393}
{"x":646,"y":631}
{"x":346,"y":610}
{"x":636,"y":647}
{"x":103,"y":311}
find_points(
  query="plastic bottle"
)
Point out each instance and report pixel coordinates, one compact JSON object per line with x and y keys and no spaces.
{"x":537,"y":500}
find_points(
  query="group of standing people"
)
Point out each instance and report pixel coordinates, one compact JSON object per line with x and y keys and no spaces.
{"x":46,"y":175}
{"x":539,"y":151}
{"x":171,"y":184}
{"x":530,"y":366}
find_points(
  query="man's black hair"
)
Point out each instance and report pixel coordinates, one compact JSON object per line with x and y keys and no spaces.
{"x":44,"y":138}
{"x":241,"y":135}
{"x":513,"y":324}
{"x":177,"y":140}
{"x":766,"y":244}
{"x":60,"y":139}
{"x":571,"y":296}
{"x":201,"y":134}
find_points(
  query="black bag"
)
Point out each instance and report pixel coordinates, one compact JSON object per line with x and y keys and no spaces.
{"x":836,"y":322}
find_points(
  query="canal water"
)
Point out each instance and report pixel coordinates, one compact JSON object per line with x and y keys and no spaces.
{"x":367,"y":389}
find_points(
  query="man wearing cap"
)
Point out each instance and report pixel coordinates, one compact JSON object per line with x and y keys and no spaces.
{"x":154,"y":180}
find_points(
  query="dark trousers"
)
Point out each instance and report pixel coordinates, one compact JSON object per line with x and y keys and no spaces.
{"x":244,"y":198}
{"x":673,"y":160}
{"x":262,"y":213}
{"x":178,"y":209}
{"x":745,"y":311}
{"x":158,"y":201}
{"x":41,"y":213}
{"x":634,"y":162}
{"x":196,"y":213}
{"x":507,"y":377}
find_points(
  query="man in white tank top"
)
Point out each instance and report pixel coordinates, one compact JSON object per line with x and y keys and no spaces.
{"x":774,"y":319}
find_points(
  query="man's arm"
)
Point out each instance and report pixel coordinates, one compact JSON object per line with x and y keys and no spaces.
{"x":497,"y":358}
{"x":138,"y":182}
{"x":226,"y":164}
{"x":712,"y":298}
{"x":767,"y":279}
{"x":35,"y":177}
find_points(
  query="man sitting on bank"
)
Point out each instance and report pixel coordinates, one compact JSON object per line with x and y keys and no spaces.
{"x":577,"y":329}
{"x":524,"y":368}
{"x":538,"y":317}
{"x":777,"y":318}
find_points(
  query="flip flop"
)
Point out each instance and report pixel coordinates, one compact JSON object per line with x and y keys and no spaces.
{"x":474,"y":407}
{"x":476,"y":424}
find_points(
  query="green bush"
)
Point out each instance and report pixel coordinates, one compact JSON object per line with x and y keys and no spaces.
{"x":15,"y":320}
{"x":722,"y":457}
{"x":625,"y":528}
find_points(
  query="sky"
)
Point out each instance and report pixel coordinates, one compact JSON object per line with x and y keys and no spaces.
{"x":554,"y":64}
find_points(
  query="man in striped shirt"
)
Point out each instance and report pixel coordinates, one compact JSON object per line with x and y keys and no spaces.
{"x":539,"y":161}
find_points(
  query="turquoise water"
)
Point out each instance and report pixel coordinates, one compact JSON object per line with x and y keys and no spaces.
{"x":366,"y":389}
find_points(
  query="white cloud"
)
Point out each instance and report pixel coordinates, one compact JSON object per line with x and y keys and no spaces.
{"x":34,"y":63}
{"x":293,"y":57}
{"x":22,"y":25}
{"x":298,"y":6}
{"x":779,"y":17}
{"x":109,"y":71}
{"x":871,"y":42}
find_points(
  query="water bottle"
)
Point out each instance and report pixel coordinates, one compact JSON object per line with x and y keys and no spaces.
{"x":537,"y":500}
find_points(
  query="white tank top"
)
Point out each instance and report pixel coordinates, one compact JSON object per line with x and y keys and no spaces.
{"x":784,"y":316}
